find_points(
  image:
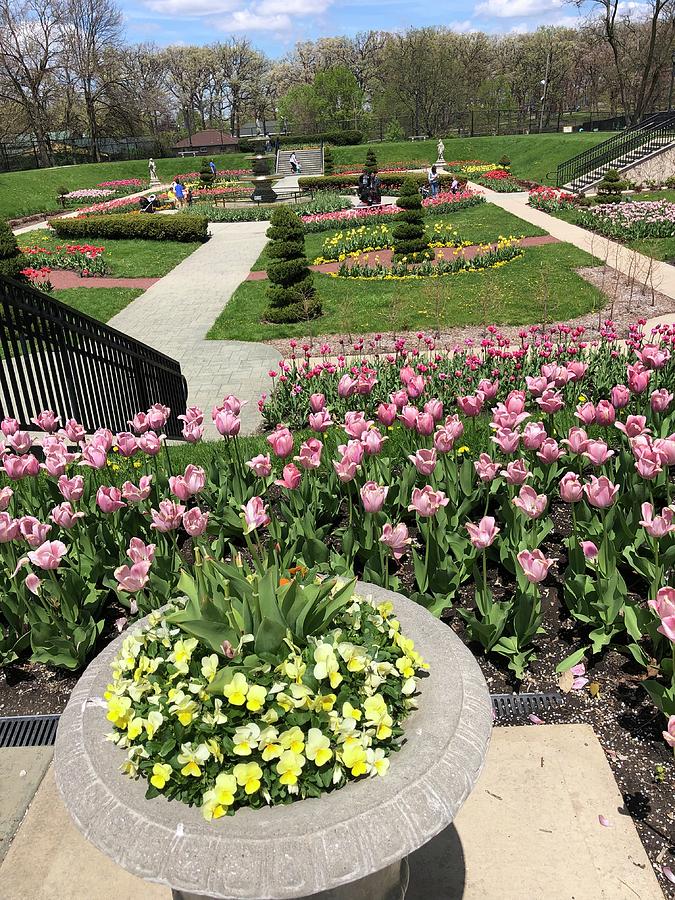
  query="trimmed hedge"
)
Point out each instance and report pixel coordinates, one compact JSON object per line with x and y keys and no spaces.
{"x":12,"y":261}
{"x":393,"y":180}
{"x":156,"y":227}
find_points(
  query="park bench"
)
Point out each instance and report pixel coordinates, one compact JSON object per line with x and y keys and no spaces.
{"x":419,"y":137}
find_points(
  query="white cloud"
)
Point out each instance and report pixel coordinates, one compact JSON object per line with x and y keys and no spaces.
{"x":514,"y":9}
{"x":248,"y":20}
{"x":466,"y":26}
{"x":291,"y":7}
{"x":191,"y":8}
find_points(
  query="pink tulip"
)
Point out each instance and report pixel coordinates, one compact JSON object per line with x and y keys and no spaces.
{"x":150,"y":443}
{"x":669,"y":734}
{"x":488,"y":389}
{"x":17,"y":467}
{"x":320,"y":421}
{"x":254,"y":514}
{"x":537,"y":386}
{"x":373,"y":442}
{"x":47,"y":420}
{"x":396,"y":538}
{"x":605,"y":413}
{"x":234,"y":404}
{"x":483,"y":534}
{"x":515,"y":402}
{"x":471,"y":405}
{"x":193,"y":432}
{"x":55,"y":463}
{"x":6,"y":494}
{"x":94,"y":456}
{"x":373,"y":496}
{"x":399,"y":398}
{"x":620,"y":396}
{"x":347,"y":386}
{"x":585,"y":412}
{"x":132,"y":578}
{"x":310,"y":454}
{"x":405,"y":374}
{"x":664,"y":607}
{"x":534,"y":435}
{"x":600,"y":492}
{"x":227,"y":423}
{"x":9,"y":426}
{"x":20,"y":442}
{"x":140,"y":423}
{"x":660,"y":400}
{"x":549,"y":452}
{"x":550,"y":401}
{"x":653,"y":356}
{"x":486,"y":468}
{"x":454,"y":426}
{"x":193,"y":414}
{"x":9,"y":528}
{"x":657,"y":526}
{"x":638,"y":378}
{"x":597,"y":453}
{"x":530,"y":502}
{"x":571,"y":489}
{"x":109,"y":499}
{"x":195,"y":521}
{"x":507,"y":440}
{"x":157,"y":418}
{"x":577,"y":370}
{"x":48,"y":555}
{"x":33,"y":531}
{"x":559,"y":375}
{"x":386,"y":414}
{"x":415,"y":386}
{"x":534,"y":564}
{"x":346,"y":470}
{"x":126,"y":444}
{"x":261,"y":465}
{"x":517,"y":472}
{"x":103,"y":437}
{"x":577,"y":440}
{"x":137,"y":494}
{"x":425,"y":424}
{"x":189,"y":484}
{"x":633,"y":427}
{"x":591,"y":551}
{"x":434,"y":408}
{"x":647,"y":463}
{"x":352,"y":451}
{"x":665,"y":447}
{"x":444,"y":440}
{"x":33,"y":583}
{"x":426,"y":502}
{"x":356,"y":424}
{"x":281,"y":442}
{"x":168,"y":517}
{"x":64,"y":515}
{"x":424,"y":461}
{"x":409,"y":417}
{"x":139,"y":552}
{"x":502,"y":418}
{"x":71,"y":488}
{"x":54,"y":443}
{"x":317,"y":402}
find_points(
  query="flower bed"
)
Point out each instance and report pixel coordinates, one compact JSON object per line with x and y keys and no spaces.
{"x":630,"y":220}
{"x":550,"y":199}
{"x":121,"y":204}
{"x":123,"y":184}
{"x":221,"y":173}
{"x":86,"y":259}
{"x":356,"y":241}
{"x":500,"y":180}
{"x":88,"y":194}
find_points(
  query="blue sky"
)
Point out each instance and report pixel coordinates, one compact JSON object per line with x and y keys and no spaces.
{"x":276,"y":25}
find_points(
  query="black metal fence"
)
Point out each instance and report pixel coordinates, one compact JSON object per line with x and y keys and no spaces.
{"x":22,"y":153}
{"x":53,"y":357}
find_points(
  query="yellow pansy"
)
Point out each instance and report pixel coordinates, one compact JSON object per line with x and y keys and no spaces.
{"x":248,"y":776}
{"x":354,"y":757}
{"x":215,"y":749}
{"x":182,"y":653}
{"x":292,"y":739}
{"x":317,"y":747}
{"x":216,"y":801}
{"x":355,"y":657}
{"x":377,"y":762}
{"x":405,"y":667}
{"x":210,"y":667}
{"x":217,"y":717}
{"x":191,"y":758}
{"x":245,"y":739}
{"x":293,"y":667}
{"x":385,"y":609}
{"x":161,"y":773}
{"x":134,"y":728}
{"x":268,"y":743}
{"x":327,"y":665}
{"x":183,"y":707}
{"x":119,"y":711}
{"x":290,"y":766}
{"x":255,"y":697}
{"x":377,"y":714}
{"x":236,"y":690}
{"x":323,"y":702}
{"x":349,"y":712}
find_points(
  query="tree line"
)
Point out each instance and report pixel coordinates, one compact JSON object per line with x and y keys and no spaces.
{"x":67,"y":69}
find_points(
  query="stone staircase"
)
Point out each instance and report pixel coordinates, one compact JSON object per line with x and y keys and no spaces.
{"x":311,"y":162}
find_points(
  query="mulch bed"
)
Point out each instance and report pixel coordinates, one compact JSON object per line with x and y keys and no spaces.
{"x":63,"y":278}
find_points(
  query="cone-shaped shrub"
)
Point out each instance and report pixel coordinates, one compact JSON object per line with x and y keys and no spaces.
{"x":12,"y":261}
{"x":611,"y":186}
{"x":409,"y":236}
{"x":328,"y":161}
{"x":371,"y":162}
{"x":206,"y":176}
{"x":291,"y":291}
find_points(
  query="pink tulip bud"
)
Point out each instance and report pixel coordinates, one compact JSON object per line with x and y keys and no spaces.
{"x":399,"y":399}
{"x":9,"y":528}
{"x":317,"y":402}
{"x":577,"y":370}
{"x":434,"y":408}
{"x":534,"y":435}
{"x":648,"y":463}
{"x":193,"y":432}
{"x":396,"y":538}
{"x":600,"y":492}
{"x":664,"y":607}
{"x":426,"y":502}
{"x":590,"y":550}
{"x":386,"y":414}
{"x":471,"y":405}
{"x":64,"y":515}
{"x":281,"y":442}
{"x":254,"y":514}
{"x":415,"y":386}
{"x":47,"y":420}
{"x":605,"y":413}
{"x":356,"y":424}
{"x":373,"y":442}
{"x":195,"y":521}
{"x":534,"y":565}
{"x":94,"y":456}
{"x":133,"y":578}
{"x":577,"y":440}
{"x":139,"y":552}
{"x":71,"y":488}
{"x":6,"y":494}
{"x":409,"y":417}
{"x":150,"y":443}
{"x":443,"y":439}
{"x":156,"y":419}
{"x":310,"y":454}
{"x":559,"y":375}
{"x":103,"y":438}
{"x":549,"y":452}
{"x":9,"y":426}
{"x":537,"y":386}
{"x":571,"y":489}
{"x":48,"y":555}
{"x":347,"y":386}
{"x":33,"y":531}
{"x":486,"y":468}
{"x":365,"y":383}
{"x":140,"y":423}
{"x":20,"y":442}
{"x":406,"y":374}
{"x":517,"y":472}
{"x":507,"y":440}
{"x":515,"y":402}
{"x":33,"y":583}
{"x":126,"y":443}
{"x":620,"y":396}
{"x":260,"y":465}
{"x":109,"y":499}
{"x":345,"y":469}
{"x":234,"y":404}
{"x":227,"y":423}
{"x":597,"y":453}
{"x":638,"y":378}
{"x":425,"y":424}
{"x":585,"y":413}
{"x":484,"y":533}
{"x":168,"y":517}
{"x":373,"y":496}
{"x":454,"y":427}
{"x":352,"y":451}
{"x":550,"y":402}
{"x":320,"y":421}
{"x":661,"y":400}
{"x":488,"y":389}
{"x":424,"y":461}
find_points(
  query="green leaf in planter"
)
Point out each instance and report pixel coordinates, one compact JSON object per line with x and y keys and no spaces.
{"x":571,"y":660}
{"x":466,"y":473}
{"x":420,"y":569}
{"x":269,"y":636}
{"x":267,"y":598}
{"x":212,"y":633}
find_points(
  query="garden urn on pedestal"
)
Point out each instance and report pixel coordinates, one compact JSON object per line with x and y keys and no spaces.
{"x":349,"y":843}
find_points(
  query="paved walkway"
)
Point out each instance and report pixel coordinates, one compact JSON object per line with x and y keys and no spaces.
{"x":62,"y":279}
{"x":175,"y":314}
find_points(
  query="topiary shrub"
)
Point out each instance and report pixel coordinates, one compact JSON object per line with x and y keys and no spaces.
{"x":611,"y":186}
{"x":206,"y":176}
{"x":12,"y":261}
{"x":409,"y":237}
{"x":328,"y":161}
{"x":371,"y":162}
{"x":291,"y":292}
{"x":504,"y":162}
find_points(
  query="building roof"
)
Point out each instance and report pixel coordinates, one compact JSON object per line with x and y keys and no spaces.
{"x":209,"y":138}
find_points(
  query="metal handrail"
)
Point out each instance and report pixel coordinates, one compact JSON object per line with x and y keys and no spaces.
{"x":647,"y":135}
{"x":53,"y":357}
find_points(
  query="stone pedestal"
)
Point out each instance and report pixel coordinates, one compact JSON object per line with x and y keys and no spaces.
{"x":155,"y":182}
{"x":350,"y":844}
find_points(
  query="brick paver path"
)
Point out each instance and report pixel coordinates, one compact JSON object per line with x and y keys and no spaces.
{"x":63,"y":279}
{"x":175,"y":314}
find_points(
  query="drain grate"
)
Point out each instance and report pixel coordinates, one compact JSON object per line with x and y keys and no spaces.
{"x":519,"y":705}
{"x":28,"y":731}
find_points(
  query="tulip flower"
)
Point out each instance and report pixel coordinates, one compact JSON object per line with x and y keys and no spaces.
{"x":484,"y":533}
{"x":415,"y":386}
{"x":168,"y":517}
{"x":634,"y":426}
{"x":140,"y":423}
{"x":571,"y":489}
{"x":660,"y":400}
{"x":559,"y":375}
{"x":638,"y":378}
{"x":234,"y":404}
{"x":9,"y":528}
{"x":193,"y":432}
{"x":647,"y":463}
{"x":345,"y":469}
{"x":657,"y":526}
{"x":507,"y":440}
{"x":346,"y":386}
{"x":94,"y":456}
{"x":18,"y":467}
{"x":534,"y":435}
{"x":157,"y":418}
{"x":577,"y":370}
{"x":126,"y":444}
{"x":356,"y":425}
{"x":373,"y":496}
{"x":534,"y":564}
{"x":424,"y":461}
{"x":669,"y":734}
{"x":103,"y":438}
{"x":33,"y":583}
{"x":373,"y":442}
{"x":133,"y":578}
{"x":71,"y":488}
{"x":254,"y":514}
{"x":550,"y":401}
{"x":653,"y":357}
{"x":291,"y":477}
{"x":47,"y":420}
{"x":488,"y":389}
{"x":471,"y":405}
{"x":425,"y":424}
{"x":140,"y":552}
{"x":549,"y":452}
{"x":585,"y":412}
{"x":109,"y":499}
{"x":150,"y":443}
{"x":454,"y":427}
{"x":620,"y":396}
{"x":516,"y":472}
{"x":434,"y":408}
{"x":409,"y":417}
{"x":48,"y":555}
{"x":399,"y":398}
{"x":195,"y":521}
{"x":664,"y":607}
{"x":64,"y":515}
{"x":537,"y":386}
{"x":193,"y":414}
{"x":600,"y":492}
{"x":486,"y":468}
{"x":320,"y":421}
{"x":281,"y":442}
{"x":605,"y":413}
{"x":9,"y":426}
{"x":317,"y":402}
{"x":396,"y":538}
{"x":20,"y":442}
{"x":597,"y":453}
{"x":530,"y":502}
{"x":310,"y":454}
{"x":426,"y":502}
{"x":590,"y":550}
{"x":260,"y":465}
{"x":33,"y":531}
{"x":386,"y":414}
{"x":137,"y":494}
{"x":665,"y":447}
{"x":444,"y":440}
{"x":227,"y":423}
{"x":576,"y":440}
{"x":6,"y":494}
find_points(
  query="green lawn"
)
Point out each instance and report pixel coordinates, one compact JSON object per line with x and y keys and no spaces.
{"x":99,"y":303}
{"x":540,"y":284}
{"x":475,"y":224}
{"x":125,"y":258}
{"x":34,"y":191}
{"x":533,"y":156}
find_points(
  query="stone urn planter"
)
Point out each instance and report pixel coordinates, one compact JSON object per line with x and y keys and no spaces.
{"x":351,"y":843}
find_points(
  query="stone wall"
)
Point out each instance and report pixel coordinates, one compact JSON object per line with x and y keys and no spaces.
{"x":656,"y":168}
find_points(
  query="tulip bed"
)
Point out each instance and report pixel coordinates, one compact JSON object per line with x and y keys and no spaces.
{"x":86,"y":259}
{"x":630,"y":221}
{"x":356,"y":241}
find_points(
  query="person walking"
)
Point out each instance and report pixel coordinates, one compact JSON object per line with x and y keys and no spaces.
{"x":212,"y":166}
{"x":179,"y":191}
{"x":293,"y":160}
{"x":375,"y":189}
{"x":434,"y":181}
{"x":454,"y":187}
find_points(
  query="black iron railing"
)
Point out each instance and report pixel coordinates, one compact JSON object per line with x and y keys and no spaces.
{"x":618,"y":150}
{"x":53,"y":357}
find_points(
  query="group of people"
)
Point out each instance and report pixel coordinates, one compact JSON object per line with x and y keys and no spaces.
{"x":182,"y":195}
{"x":370,"y":188}
{"x":434,"y":183}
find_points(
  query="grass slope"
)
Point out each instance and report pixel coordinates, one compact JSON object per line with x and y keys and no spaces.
{"x":541,"y":284}
{"x":99,"y":303}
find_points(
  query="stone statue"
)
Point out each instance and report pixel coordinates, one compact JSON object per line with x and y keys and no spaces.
{"x":152,"y":168}
{"x":441,"y":150}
